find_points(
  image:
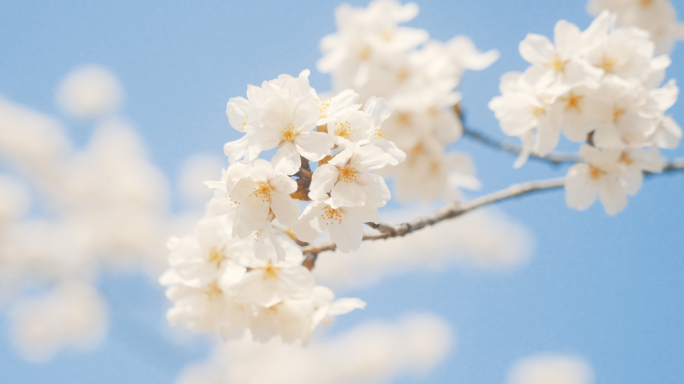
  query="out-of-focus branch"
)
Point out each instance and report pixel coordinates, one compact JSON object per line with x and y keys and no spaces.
{"x":453,"y":210}
{"x":552,"y":158}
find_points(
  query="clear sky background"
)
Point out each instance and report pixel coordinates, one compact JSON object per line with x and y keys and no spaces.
{"x":608,"y":288}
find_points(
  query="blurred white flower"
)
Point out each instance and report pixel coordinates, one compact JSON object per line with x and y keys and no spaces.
{"x":551,"y":369}
{"x":90,"y":91}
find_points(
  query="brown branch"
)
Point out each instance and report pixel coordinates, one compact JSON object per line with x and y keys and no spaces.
{"x":552,"y":158}
{"x":453,"y":210}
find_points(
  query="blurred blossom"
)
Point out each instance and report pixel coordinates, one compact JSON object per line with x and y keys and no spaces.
{"x":551,"y":369}
{"x":14,"y":199}
{"x":90,"y":91}
{"x":73,"y":315}
{"x":483,"y":239}
{"x":374,"y":352}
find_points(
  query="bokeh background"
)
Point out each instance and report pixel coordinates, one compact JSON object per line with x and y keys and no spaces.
{"x":609,"y":289}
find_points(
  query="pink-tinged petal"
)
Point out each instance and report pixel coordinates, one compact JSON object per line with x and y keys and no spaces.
{"x":322,"y":182}
{"x":347,"y":194}
{"x":536,"y":49}
{"x":580,"y":190}
{"x":287,"y":159}
{"x":314,"y":145}
{"x":284,"y":207}
{"x":377,"y":192}
{"x":613,"y":195}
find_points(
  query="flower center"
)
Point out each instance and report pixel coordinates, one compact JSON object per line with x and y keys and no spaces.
{"x":245,"y":120}
{"x":364,"y":53}
{"x":264,"y":191}
{"x":348,"y":174}
{"x":538,"y":111}
{"x":595,"y":173}
{"x":617,"y":114}
{"x":270,"y":272}
{"x":625,"y":159}
{"x":573,"y":102}
{"x":608,"y":64}
{"x":212,"y":291}
{"x":288,"y":133}
{"x":645,"y":3}
{"x":558,"y":65}
{"x":343,"y":129}
{"x":403,"y":118}
{"x":216,"y":257}
{"x":323,"y":105}
{"x":330,"y":215}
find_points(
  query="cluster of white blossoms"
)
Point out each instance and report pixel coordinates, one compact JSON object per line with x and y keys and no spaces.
{"x":238,"y":271}
{"x":373,"y":55}
{"x":602,"y":87}
{"x":658,"y":17}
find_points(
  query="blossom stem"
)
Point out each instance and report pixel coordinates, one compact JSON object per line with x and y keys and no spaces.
{"x":453,"y":210}
{"x":554,"y":159}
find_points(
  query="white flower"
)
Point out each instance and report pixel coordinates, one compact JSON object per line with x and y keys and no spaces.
{"x":90,"y":91}
{"x":615,"y":109}
{"x":656,"y":16}
{"x":350,"y":127}
{"x":288,"y":123}
{"x":559,"y":63}
{"x":379,"y":110}
{"x":222,"y":203}
{"x":289,"y":319}
{"x":598,"y":176}
{"x":260,"y":191}
{"x":329,"y":109}
{"x":345,"y":224}
{"x":348,"y":181}
{"x":267,"y":283}
{"x":326,"y":308}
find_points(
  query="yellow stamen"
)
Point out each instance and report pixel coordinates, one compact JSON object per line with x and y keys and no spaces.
{"x":558,"y":65}
{"x":212,"y":291}
{"x":595,"y":173}
{"x":348,"y":174}
{"x":270,"y":272}
{"x":608,"y":64}
{"x":264,"y":191}
{"x":343,"y":129}
{"x":573,"y":101}
{"x":331,"y":214}
{"x":624,"y":158}
{"x":403,"y":118}
{"x":216,"y":256}
{"x":617,"y":114}
{"x":288,"y":133}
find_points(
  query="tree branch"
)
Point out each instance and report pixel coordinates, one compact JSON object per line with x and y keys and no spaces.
{"x":552,"y":158}
{"x":453,"y":210}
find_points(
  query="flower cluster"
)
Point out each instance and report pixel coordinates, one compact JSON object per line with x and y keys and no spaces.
{"x":601,"y":86}
{"x":238,"y":271}
{"x":373,"y":55}
{"x":658,"y":17}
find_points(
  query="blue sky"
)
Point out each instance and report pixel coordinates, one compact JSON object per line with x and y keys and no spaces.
{"x":608,"y":288}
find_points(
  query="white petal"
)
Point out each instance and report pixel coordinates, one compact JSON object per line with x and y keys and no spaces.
{"x":314,"y":145}
{"x":287,"y":159}
{"x":347,"y":194}
{"x":613,"y":195}
{"x":580,"y":191}
{"x":322,"y":181}
{"x":284,"y":207}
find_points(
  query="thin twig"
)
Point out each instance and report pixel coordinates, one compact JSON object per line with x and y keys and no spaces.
{"x":453,"y":210}
{"x":552,"y":158}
